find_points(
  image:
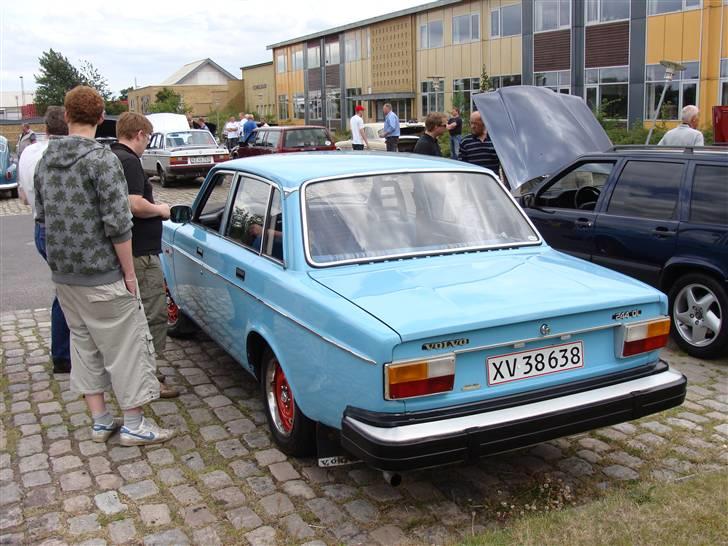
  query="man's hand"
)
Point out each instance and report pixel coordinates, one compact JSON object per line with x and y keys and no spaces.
{"x":131,"y":285}
{"x":163,"y":210}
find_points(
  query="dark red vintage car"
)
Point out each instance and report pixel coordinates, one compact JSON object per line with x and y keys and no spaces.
{"x":284,"y":139}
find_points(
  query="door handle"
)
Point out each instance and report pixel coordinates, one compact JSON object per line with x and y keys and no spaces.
{"x":662,"y":232}
{"x":583,"y":222}
{"x":240,"y":273}
{"x":199,"y":252}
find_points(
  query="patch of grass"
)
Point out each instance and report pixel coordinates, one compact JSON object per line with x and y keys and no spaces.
{"x":685,"y":512}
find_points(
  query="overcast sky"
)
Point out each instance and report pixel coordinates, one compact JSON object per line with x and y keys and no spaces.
{"x":149,"y":40}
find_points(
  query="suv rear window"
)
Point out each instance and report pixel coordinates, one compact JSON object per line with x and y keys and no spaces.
{"x":709,"y":202}
{"x":647,"y":189}
{"x":304,"y":138}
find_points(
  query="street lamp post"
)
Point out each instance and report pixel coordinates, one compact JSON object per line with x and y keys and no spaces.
{"x":22,"y":95}
{"x":670,"y":68}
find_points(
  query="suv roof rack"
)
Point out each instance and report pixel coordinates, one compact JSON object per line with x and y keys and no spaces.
{"x":683,"y":149}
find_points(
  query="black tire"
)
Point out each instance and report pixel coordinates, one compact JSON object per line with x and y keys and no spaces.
{"x":163,"y":178}
{"x":699,"y":313}
{"x":14,"y":193}
{"x":293,"y":432}
{"x":179,"y":325}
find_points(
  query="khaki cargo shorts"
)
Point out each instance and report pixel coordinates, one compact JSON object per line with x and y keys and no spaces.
{"x":110,"y":343}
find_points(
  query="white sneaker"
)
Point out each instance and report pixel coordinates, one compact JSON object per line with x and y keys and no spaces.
{"x":100,"y":433}
{"x":148,"y":433}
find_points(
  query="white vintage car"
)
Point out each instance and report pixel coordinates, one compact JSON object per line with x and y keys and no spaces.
{"x":176,"y":152}
{"x":409,"y":134}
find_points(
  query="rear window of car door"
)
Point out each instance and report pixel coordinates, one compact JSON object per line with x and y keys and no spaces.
{"x":647,"y":189}
{"x":247,"y":217}
{"x":260,"y":138}
{"x":709,"y":198}
{"x":273,"y":138}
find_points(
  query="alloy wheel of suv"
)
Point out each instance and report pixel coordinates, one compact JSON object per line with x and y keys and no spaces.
{"x":698,"y":306}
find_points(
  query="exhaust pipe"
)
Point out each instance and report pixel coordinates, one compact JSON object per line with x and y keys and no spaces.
{"x":392,"y":478}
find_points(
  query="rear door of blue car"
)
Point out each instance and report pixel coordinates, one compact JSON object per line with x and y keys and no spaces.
{"x":636,"y":230}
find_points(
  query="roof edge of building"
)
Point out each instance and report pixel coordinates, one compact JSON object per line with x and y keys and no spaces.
{"x":365,"y":22}
{"x":257,"y":65}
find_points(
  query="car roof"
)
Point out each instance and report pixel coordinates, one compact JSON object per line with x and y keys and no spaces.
{"x":292,"y":170}
{"x":673,"y":152}
{"x":289,"y":127}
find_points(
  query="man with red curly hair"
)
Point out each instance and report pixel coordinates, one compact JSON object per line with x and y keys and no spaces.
{"x":81,"y":195}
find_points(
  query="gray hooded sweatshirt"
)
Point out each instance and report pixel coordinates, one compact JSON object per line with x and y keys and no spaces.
{"x":81,"y":195}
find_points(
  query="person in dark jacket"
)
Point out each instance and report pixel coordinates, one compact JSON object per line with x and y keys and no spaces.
{"x":435,"y":125}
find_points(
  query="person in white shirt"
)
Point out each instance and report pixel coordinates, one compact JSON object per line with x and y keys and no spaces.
{"x":358,"y":135}
{"x":56,"y":127}
{"x":232,"y":130}
{"x":685,"y":134}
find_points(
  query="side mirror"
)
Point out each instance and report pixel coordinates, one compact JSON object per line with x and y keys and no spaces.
{"x":528,"y":201}
{"x":180,"y":214}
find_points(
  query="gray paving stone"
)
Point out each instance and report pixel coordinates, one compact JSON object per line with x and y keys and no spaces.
{"x":109,"y":481}
{"x":283,"y":471}
{"x":122,"y":532}
{"x":154,"y":515}
{"x":135,"y":471}
{"x":89,"y":447}
{"x":49,"y":407}
{"x":239,"y":427}
{"x":39,"y":461}
{"x":29,"y":430}
{"x":314,"y":474}
{"x":186,"y":494}
{"x":43,"y":525}
{"x":423,"y":491}
{"x":298,"y":488}
{"x":229,"y":496}
{"x":61,"y":431}
{"x":389,"y":535}
{"x":109,"y":503}
{"x":38,"y":477}
{"x":24,"y":419}
{"x":228,"y":413}
{"x":216,"y":479}
{"x":163,"y":407}
{"x":339,"y":491}
{"x":63,"y":464}
{"x":683,"y":423}
{"x":197,"y":516}
{"x":243,"y":518}
{"x":140,"y":490}
{"x":231,"y":448}
{"x":657,"y":428}
{"x":160,"y":457}
{"x":594,"y":445}
{"x":244,"y":469}
{"x":621,"y":473}
{"x":625,"y":459}
{"x":59,"y":447}
{"x":382,"y":492}
{"x":256,"y":439}
{"x":589,"y":456}
{"x":296,"y":527}
{"x":201,"y":416}
{"x":99,"y":465}
{"x":10,"y":517}
{"x":44,"y":496}
{"x":651,"y":439}
{"x":263,"y":536}
{"x":217,"y":401}
{"x":173,"y":537}
{"x":75,"y":407}
{"x":714,"y":404}
{"x":261,"y":485}
{"x":30,"y":445}
{"x":75,"y":481}
{"x":193,"y":460}
{"x":722,"y":429}
{"x":206,"y":537}
{"x":182,"y":444}
{"x":611,"y":434}
{"x":276,"y":505}
{"x":77,"y":504}
{"x":362,"y":511}
{"x":81,"y":525}
{"x":547,"y":452}
{"x":269,"y":456}
{"x":9,"y":493}
{"x":212,"y":433}
{"x":448,"y":512}
{"x":325,"y":510}
{"x":120,"y":453}
{"x":171,"y":476}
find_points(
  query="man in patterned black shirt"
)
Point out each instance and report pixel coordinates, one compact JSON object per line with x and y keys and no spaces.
{"x":477,"y":148}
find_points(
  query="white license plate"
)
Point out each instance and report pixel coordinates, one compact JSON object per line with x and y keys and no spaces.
{"x":543,"y":361}
{"x":201,"y":159}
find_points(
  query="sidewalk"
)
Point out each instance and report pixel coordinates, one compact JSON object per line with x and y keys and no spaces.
{"x":221,"y":481}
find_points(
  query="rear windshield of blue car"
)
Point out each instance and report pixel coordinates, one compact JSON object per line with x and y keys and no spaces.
{"x":394,"y":215}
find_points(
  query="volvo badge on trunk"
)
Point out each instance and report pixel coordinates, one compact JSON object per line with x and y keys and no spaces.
{"x":445,"y":344}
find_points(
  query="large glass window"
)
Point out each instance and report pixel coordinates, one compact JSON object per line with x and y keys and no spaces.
{"x":496,"y":82}
{"x":433,"y":99}
{"x":381,"y":216}
{"x":467,"y":87}
{"x":248,"y":212}
{"x":551,"y":15}
{"x":297,"y":59}
{"x":511,"y":20}
{"x":314,"y":104}
{"x":351,"y":102}
{"x":556,"y":81}
{"x":299,"y":106}
{"x":333,"y":103}
{"x":431,"y":35}
{"x":466,"y":28}
{"x":607,"y":90}
{"x":606,"y":11}
{"x":273,"y":235}
{"x":282,"y":107}
{"x":332,"y":53}
{"x":682,"y":91}
{"x":495,"y":23}
{"x":709,"y":200}
{"x":647,"y":189}
{"x":281,"y":63}
{"x":314,"y":57}
{"x":579,"y":188}
{"x":723,"y":98}
{"x":352,"y":48}
{"x":655,"y":7}
{"x":210,"y":213}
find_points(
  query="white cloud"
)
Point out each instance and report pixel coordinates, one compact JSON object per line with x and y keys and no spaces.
{"x":150,"y":40}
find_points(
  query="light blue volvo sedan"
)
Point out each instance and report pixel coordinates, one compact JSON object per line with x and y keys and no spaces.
{"x":406,"y":311}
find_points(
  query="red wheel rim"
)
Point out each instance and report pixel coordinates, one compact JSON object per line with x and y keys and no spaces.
{"x":172,"y":309}
{"x":284,"y":399}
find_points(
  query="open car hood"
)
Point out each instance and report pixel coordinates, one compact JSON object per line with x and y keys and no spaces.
{"x":535,"y":131}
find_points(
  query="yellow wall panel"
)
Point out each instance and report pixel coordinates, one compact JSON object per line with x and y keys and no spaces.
{"x":724,"y":40}
{"x":494,"y":58}
{"x":655,"y":39}
{"x":673,"y":36}
{"x":691,"y":35}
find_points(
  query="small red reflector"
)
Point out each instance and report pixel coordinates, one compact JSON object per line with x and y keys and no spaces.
{"x":421,"y":387}
{"x":644,"y":345}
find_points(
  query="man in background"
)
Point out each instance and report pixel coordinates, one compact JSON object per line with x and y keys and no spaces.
{"x":55,"y":128}
{"x":249,"y":126}
{"x":133,"y":131}
{"x":435,"y":126}
{"x":685,"y":134}
{"x":390,"y":132}
{"x":26,"y":138}
{"x":455,"y":126}
{"x":232,"y":130}
{"x":358,"y":135}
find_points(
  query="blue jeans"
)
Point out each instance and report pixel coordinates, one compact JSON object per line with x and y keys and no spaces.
{"x":60,"y":334}
{"x":455,"y":146}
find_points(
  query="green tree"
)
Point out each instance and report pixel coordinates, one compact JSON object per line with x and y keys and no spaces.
{"x":115,"y":107}
{"x":168,"y":101}
{"x":57,"y":76}
{"x":92,"y":77}
{"x":124,"y":93}
{"x":458,"y":101}
{"x":484,"y":81}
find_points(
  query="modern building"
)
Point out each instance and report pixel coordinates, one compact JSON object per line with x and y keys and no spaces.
{"x":203,"y":85}
{"x":420,"y":59}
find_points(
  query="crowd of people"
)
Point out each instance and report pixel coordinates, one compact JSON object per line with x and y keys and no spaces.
{"x":237,"y":131}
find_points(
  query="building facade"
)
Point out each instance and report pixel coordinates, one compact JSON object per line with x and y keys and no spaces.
{"x":260,"y":90}
{"x":428,"y":57}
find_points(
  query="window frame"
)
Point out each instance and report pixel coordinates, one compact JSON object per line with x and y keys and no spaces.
{"x":297,"y":65}
{"x":681,"y":84}
{"x":599,"y":84}
{"x":425,"y":28}
{"x":471,"y":25}
{"x":692,"y":174}
{"x":472,"y":87}
{"x":200,"y":206}
{"x":599,"y":21}
{"x":281,"y":63}
{"x":520,"y":20}
{"x":676,"y":213}
{"x":723,"y":79}
{"x":495,"y":18}
{"x":560,"y":86}
{"x":439,"y":97}
{"x":559,"y":24}
{"x":355,"y":40}
{"x":684,"y":7}
{"x":329,"y":52}
{"x":317,"y":49}
{"x":281,"y":104}
{"x":228,"y":212}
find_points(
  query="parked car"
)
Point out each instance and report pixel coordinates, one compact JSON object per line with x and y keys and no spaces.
{"x":285,"y":139}
{"x":409,"y":135}
{"x":406,"y":307}
{"x":176,"y":152}
{"x":657,"y":214}
{"x":8,"y":168}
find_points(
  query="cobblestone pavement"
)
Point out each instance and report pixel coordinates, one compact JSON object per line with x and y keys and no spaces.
{"x":221,"y":481}
{"x":11,"y":206}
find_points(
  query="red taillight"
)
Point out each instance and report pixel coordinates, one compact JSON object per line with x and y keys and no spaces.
{"x":222,"y":157}
{"x":419,"y":378}
{"x":642,"y":337}
{"x":8,"y":175}
{"x":178,"y":160}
